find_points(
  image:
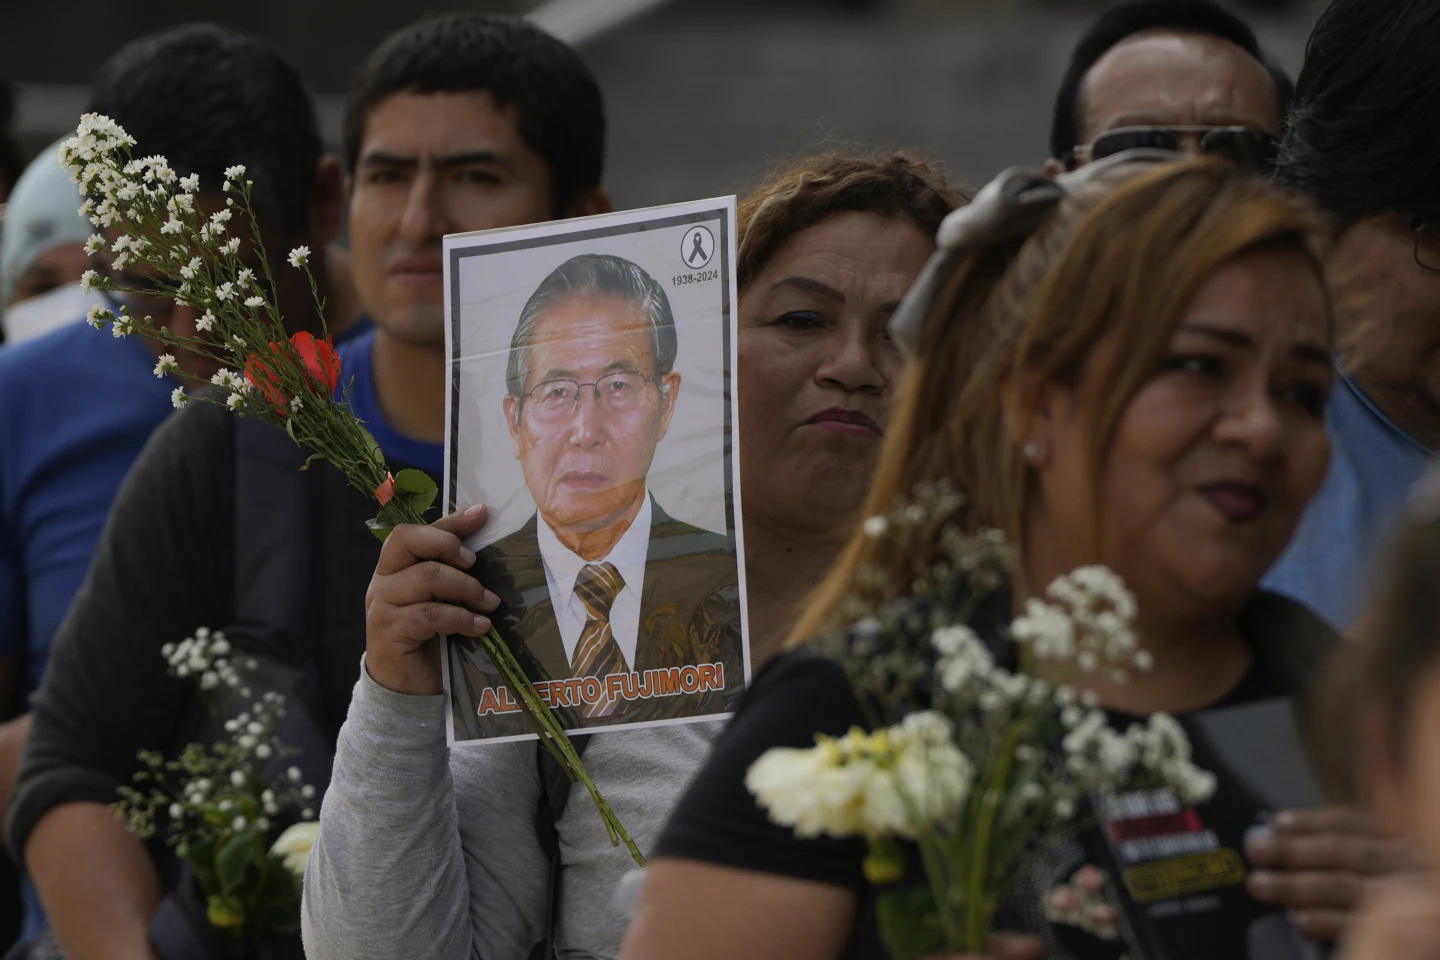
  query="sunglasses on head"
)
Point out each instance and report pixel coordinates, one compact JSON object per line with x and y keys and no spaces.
{"x":1244,"y":146}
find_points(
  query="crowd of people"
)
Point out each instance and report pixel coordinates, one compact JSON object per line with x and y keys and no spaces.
{"x":1212,"y":363}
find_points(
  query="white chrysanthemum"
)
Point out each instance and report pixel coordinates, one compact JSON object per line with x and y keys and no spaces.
{"x":299,"y":256}
{"x":166,"y":364}
{"x":891,"y":782}
{"x":294,"y":845}
{"x":178,"y":398}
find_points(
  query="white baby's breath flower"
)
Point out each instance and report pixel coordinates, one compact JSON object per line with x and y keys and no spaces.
{"x":172,"y":226}
{"x":299,"y":256}
{"x":191,"y":183}
{"x":1143,"y":660}
{"x":166,"y":364}
{"x":230,"y":247}
{"x":294,"y":774}
{"x":237,"y":779}
{"x":235,"y":172}
{"x":178,"y":398}
{"x":1047,"y":629}
{"x":176,"y":811}
{"x":245,"y":278}
{"x":246,"y":742}
{"x":94,"y":244}
{"x":1064,"y":808}
{"x":875,"y":527}
{"x":235,"y":401}
{"x":262,"y":751}
{"x":209,"y":680}
{"x":206,"y":323}
{"x":88,"y":280}
{"x":225,"y":291}
{"x":307,"y":791}
{"x":238,"y":824}
{"x":97,"y":315}
{"x":254,"y":302}
{"x":295,"y":404}
{"x":962,"y":657}
{"x":220,"y":217}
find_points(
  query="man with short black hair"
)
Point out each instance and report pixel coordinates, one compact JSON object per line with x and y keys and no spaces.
{"x":1174,"y":74}
{"x":1363,"y":141}
{"x":447,"y":133}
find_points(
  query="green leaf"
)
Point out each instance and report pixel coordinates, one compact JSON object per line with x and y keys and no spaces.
{"x":233,"y":858}
{"x":381,"y":528}
{"x":413,"y":482}
{"x":417,"y":488}
{"x":201,"y":856}
{"x":909,"y":924}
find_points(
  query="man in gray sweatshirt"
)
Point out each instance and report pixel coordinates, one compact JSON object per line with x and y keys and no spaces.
{"x":458,"y":124}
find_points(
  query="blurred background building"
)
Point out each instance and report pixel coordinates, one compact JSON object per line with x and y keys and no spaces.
{"x":702,"y":95}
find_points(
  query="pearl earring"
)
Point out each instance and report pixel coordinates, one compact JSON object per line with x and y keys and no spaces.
{"x":1032,"y":452}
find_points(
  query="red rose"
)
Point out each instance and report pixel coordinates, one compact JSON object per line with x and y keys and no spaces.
{"x":322,"y":365}
{"x":320,"y":359}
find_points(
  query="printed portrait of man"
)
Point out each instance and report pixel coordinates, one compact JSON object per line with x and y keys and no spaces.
{"x":601,"y":582}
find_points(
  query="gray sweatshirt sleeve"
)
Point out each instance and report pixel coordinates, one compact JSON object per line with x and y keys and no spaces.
{"x":395,"y":871}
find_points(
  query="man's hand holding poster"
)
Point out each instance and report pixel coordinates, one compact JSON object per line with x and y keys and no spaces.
{"x":591,"y":407}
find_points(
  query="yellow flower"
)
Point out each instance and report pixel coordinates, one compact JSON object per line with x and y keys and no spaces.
{"x":225,"y":912}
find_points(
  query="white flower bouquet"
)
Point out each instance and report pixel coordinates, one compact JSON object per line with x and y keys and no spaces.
{"x":290,"y":381}
{"x":215,"y":805}
{"x":970,"y":769}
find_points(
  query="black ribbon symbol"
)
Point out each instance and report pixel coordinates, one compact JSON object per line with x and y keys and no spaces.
{"x":698,"y":250}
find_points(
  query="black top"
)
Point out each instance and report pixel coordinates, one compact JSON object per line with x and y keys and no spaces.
{"x":799,"y":694}
{"x":164,"y":566}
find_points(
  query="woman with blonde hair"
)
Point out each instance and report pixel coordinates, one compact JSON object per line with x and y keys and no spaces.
{"x":1130,"y":371}
{"x":424,"y":854}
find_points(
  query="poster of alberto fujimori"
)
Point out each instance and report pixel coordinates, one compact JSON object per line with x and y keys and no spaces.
{"x":591,"y":408}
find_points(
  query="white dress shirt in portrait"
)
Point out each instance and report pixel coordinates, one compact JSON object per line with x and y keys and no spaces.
{"x":562,"y":569}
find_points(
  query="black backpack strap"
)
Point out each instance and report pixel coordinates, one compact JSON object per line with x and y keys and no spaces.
{"x":554,"y":797}
{"x":272,"y":541}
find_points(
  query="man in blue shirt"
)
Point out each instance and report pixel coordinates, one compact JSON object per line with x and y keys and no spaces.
{"x":79,"y":404}
{"x":1363,"y":140}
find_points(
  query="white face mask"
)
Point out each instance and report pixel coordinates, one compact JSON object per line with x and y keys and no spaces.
{"x":39,"y":315}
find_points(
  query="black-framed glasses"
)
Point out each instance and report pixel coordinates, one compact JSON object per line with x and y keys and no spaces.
{"x":1247,"y":147}
{"x":616,"y":392}
{"x":1427,"y":242}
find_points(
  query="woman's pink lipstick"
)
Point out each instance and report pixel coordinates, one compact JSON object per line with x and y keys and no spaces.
{"x":853,"y":422}
{"x":1237,"y":502}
